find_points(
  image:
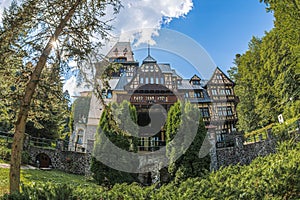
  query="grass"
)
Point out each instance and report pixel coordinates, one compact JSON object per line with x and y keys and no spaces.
{"x":30,"y":176}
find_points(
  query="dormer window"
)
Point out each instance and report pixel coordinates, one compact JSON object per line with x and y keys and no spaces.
{"x":198,"y":94}
{"x":196,"y":82}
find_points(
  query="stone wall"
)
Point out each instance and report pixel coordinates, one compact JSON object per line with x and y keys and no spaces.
{"x":245,"y":153}
{"x":79,"y":162}
{"x":67,"y":161}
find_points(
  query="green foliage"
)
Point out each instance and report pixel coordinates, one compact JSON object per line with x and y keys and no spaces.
{"x":276,"y":176}
{"x":118,"y":124}
{"x":185,"y":118}
{"x":79,"y":109}
{"x":267,"y":76}
{"x":107,"y":176}
{"x":273,"y":177}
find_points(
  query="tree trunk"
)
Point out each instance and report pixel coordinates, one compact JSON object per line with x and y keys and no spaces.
{"x":17,"y":146}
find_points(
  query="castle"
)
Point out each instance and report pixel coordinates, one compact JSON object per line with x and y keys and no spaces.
{"x":154,"y":83}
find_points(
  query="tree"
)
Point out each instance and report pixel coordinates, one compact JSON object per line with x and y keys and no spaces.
{"x":38,"y":27}
{"x":267,"y":75}
{"x":248,"y":66}
{"x":104,"y":174}
{"x":182,"y":119}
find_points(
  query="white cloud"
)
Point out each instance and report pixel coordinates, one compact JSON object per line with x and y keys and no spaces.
{"x":138,"y":15}
{"x":140,"y":19}
{"x":73,"y":88}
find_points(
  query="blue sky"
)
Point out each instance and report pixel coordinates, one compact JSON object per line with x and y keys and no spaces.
{"x":222,"y":28}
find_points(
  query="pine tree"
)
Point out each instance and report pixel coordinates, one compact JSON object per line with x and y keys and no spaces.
{"x":120,"y":136}
{"x":183,"y":119}
{"x":37,"y":28}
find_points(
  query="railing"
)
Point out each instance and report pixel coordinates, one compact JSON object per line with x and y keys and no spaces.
{"x":6,"y":139}
{"x":150,"y":145}
{"x":287,"y":129}
{"x":219,"y":97}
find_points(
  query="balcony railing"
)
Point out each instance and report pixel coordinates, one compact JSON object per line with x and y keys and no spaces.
{"x":150,"y":145}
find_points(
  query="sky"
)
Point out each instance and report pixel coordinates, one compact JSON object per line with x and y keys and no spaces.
{"x":202,"y":34}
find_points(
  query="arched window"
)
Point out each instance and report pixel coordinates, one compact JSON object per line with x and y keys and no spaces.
{"x":156,"y":80}
{"x":80,"y":136}
{"x":151,"y":80}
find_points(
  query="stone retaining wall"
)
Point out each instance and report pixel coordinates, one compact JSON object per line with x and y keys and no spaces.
{"x":244,"y":154}
{"x":67,"y":161}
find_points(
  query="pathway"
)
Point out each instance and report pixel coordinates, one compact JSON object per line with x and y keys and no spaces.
{"x":5,"y":165}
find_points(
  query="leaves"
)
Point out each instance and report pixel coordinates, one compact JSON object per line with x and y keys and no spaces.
{"x":267,"y":80}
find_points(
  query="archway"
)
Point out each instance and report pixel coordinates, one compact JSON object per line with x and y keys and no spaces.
{"x":43,"y":160}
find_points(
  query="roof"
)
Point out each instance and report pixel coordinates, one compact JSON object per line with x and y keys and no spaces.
{"x":174,"y":73}
{"x":218,"y":69}
{"x":185,"y":85}
{"x":165,"y":68}
{"x":113,"y":82}
{"x":149,"y":59}
{"x":121,"y":49}
{"x":122,"y":81}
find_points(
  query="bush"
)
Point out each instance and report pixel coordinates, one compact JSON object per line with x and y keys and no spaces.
{"x":107,"y":176}
{"x":47,"y":191}
{"x":276,"y":176}
{"x":5,"y":153}
{"x":25,"y":157}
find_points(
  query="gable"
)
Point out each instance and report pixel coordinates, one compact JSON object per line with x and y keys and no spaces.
{"x":220,"y":77}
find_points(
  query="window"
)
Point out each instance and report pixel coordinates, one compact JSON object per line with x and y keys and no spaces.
{"x":79,"y":139}
{"x":186,"y":95}
{"x":151,"y":80}
{"x":222,"y":92}
{"x":162,"y":80}
{"x":196,"y":82}
{"x":204,"y":112}
{"x":222,"y":111}
{"x":151,"y":68}
{"x":229,"y":111}
{"x":214,"y":92}
{"x":198,"y":94}
{"x":80,"y":136}
{"x":109,"y":94}
{"x":156,"y":81}
{"x":225,"y":111}
{"x":141,"y":80}
{"x":220,"y":137}
{"x":228,"y":91}
{"x":147,"y":80}
{"x":219,"y":77}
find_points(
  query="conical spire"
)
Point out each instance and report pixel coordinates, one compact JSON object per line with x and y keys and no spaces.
{"x":149,"y":58}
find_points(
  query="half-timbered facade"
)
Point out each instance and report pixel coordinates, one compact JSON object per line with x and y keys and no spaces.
{"x":154,"y":83}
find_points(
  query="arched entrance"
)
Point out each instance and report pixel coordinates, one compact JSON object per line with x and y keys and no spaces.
{"x":144,"y":98}
{"x":43,"y":160}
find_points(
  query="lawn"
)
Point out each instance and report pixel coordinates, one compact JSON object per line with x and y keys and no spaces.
{"x":31,"y":176}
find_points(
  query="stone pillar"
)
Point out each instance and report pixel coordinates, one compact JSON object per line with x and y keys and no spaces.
{"x":239,"y":141}
{"x":88,"y":157}
{"x":60,"y":145}
{"x":213,"y":151}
